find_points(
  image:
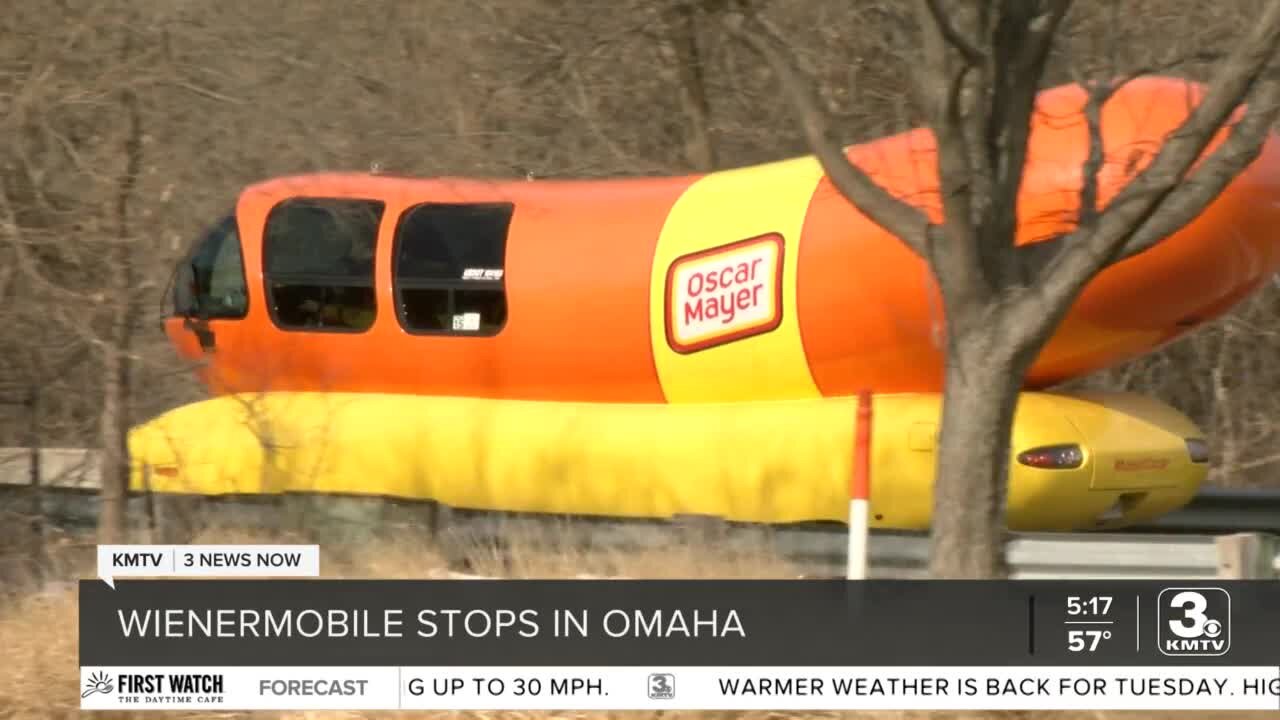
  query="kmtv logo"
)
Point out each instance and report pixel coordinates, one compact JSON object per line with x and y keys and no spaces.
{"x":662,"y":686}
{"x":1194,"y":621}
{"x":724,"y":294}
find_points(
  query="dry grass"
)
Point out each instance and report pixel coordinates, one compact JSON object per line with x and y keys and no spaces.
{"x":38,"y":624}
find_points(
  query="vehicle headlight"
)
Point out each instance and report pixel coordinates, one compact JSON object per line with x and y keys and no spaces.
{"x":1198,"y":449}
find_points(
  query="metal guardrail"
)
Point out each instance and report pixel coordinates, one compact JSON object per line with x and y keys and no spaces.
{"x":59,"y":468}
{"x":821,"y":551}
{"x":1187,"y":544}
{"x":1221,"y":510}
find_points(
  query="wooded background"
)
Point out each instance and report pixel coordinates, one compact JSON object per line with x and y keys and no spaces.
{"x":128,"y":126}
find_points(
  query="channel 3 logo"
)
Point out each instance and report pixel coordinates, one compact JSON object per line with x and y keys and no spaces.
{"x":1194,"y":621}
{"x":662,"y":686}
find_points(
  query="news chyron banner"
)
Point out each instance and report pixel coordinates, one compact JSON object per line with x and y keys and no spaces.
{"x":319,"y":644}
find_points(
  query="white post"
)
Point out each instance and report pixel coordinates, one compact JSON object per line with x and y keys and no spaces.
{"x":858,"y":534}
{"x":860,"y":491}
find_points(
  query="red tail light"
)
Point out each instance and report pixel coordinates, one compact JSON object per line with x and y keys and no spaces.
{"x":1053,"y":457}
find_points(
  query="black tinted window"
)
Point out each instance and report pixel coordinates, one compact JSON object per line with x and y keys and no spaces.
{"x":318,"y":257}
{"x":211,"y":283}
{"x":326,"y":237}
{"x":441,"y":242}
{"x":450,"y":268}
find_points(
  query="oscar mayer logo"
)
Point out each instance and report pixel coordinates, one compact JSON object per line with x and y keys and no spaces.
{"x":725,"y":293}
{"x":1141,"y":464}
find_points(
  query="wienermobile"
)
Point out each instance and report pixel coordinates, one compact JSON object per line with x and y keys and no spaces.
{"x":650,"y":347}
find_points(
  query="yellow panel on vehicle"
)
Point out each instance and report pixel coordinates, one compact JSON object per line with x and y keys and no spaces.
{"x":722,"y":311}
{"x":1136,"y":441}
{"x":770,"y":462}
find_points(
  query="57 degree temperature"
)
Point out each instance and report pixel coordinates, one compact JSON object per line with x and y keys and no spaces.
{"x":1086,"y":640}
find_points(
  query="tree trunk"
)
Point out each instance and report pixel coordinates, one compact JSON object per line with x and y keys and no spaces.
{"x":113,"y":424}
{"x":1223,"y":420}
{"x":971,"y":477}
{"x":684,"y":54}
{"x":117,"y":376}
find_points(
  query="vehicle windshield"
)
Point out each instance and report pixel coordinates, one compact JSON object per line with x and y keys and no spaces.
{"x":211,"y":281}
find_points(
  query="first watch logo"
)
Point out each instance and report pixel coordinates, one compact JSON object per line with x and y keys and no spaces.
{"x":98,"y":682}
{"x":662,"y":686}
{"x":1195,"y":621}
{"x":141,"y":688}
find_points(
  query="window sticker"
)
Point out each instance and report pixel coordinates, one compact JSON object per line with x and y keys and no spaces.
{"x":482,"y":274}
{"x":469,"y":322}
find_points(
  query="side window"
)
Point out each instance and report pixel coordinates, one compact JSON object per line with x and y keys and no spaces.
{"x":449,"y":268}
{"x":211,"y":283}
{"x":318,"y":262}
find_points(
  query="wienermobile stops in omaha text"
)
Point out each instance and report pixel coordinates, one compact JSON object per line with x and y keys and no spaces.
{"x":427,"y":623}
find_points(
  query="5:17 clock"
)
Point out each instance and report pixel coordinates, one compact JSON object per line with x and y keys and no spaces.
{"x":1092,"y":606}
{"x":1086,"y":611}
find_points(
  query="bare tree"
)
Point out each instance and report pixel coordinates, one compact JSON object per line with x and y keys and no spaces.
{"x":229,"y":93}
{"x":682,"y":50}
{"x":117,"y":366}
{"x":69,"y":220}
{"x":980,"y":69}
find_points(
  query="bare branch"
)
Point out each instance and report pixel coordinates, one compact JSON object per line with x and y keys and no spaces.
{"x":24,"y":262}
{"x":1236,"y":153}
{"x":981,"y":117}
{"x":1098,"y":96}
{"x":905,"y":221}
{"x":1257,"y":462}
{"x":683,"y":52}
{"x":942,"y":87}
{"x":1023,"y":42}
{"x":972,"y":53}
{"x":1084,"y":253}
{"x":206,"y":92}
